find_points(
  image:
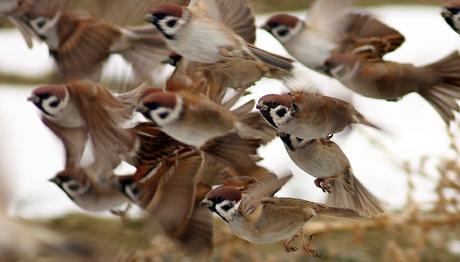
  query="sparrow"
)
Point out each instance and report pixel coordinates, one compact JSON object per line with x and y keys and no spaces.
{"x":83,"y":109}
{"x":450,"y":12}
{"x":323,"y":159}
{"x":228,"y":47}
{"x":91,"y":192}
{"x":258,"y":217}
{"x":329,"y":26}
{"x":309,"y":115}
{"x":365,"y":72}
{"x":195,"y":120}
{"x":80,"y":43}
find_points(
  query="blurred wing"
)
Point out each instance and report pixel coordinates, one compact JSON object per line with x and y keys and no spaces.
{"x":25,"y":31}
{"x":326,"y":16}
{"x":236,"y":15}
{"x":173,"y":203}
{"x":197,"y":235}
{"x":265,"y":188}
{"x":84,"y":45}
{"x":364,"y":29}
{"x":73,"y":139}
{"x":104,"y":115}
{"x":234,"y":151}
{"x":129,"y":12}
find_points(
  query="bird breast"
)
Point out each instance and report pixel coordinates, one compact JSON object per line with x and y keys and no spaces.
{"x":202,"y":40}
{"x":310,"y":48}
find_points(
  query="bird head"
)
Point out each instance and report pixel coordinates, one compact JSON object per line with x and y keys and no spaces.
{"x":50,"y":99}
{"x":162,"y":108}
{"x":276,"y":109}
{"x":168,"y":19}
{"x":283,"y":26}
{"x":224,"y":201}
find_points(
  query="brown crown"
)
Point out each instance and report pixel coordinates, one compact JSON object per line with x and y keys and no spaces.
{"x":284,"y":100}
{"x":168,"y":9}
{"x":57,"y":90}
{"x":282,"y":19}
{"x":225,"y":192}
{"x":163,"y":99}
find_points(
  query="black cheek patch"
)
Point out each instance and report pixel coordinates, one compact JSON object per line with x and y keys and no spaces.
{"x":286,"y":138}
{"x":281,"y":112}
{"x":268,"y":117}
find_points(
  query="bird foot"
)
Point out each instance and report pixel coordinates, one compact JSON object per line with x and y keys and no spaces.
{"x":287,"y":244}
{"x":308,"y":249}
{"x":326,"y":184}
{"x":123,"y":214}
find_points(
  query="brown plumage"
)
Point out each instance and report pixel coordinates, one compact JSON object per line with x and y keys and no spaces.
{"x":438,"y":83}
{"x":309,"y":115}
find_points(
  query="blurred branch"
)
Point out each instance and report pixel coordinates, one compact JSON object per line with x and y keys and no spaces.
{"x":25,"y":80}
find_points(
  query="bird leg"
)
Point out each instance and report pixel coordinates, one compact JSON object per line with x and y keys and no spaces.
{"x":287,"y":243}
{"x":307,"y":247}
{"x":123,"y":214}
{"x":325,"y":183}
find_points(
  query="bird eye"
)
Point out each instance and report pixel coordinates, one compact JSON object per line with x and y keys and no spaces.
{"x":163,"y":115}
{"x":171,"y":23}
{"x":281,"y":112}
{"x":74,"y":186}
{"x":283,"y":32}
{"x":299,"y":139}
{"x":54,"y":103}
{"x":226,"y":207}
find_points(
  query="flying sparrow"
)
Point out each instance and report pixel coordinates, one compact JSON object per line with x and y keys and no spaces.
{"x":195,"y":120}
{"x":259,"y":218}
{"x":91,"y":192}
{"x":185,"y":30}
{"x":83,"y":108}
{"x":365,"y":72}
{"x":309,"y":115}
{"x":451,"y":13}
{"x":323,"y":159}
{"x":329,"y":26}
{"x":80,"y":43}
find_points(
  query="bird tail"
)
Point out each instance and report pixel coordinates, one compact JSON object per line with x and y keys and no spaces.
{"x":354,"y":195}
{"x":443,"y":95}
{"x":272,"y":60}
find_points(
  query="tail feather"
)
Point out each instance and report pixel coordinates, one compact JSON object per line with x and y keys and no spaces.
{"x":338,"y":212}
{"x":355,"y":196}
{"x":444,"y":94}
{"x":276,"y":61}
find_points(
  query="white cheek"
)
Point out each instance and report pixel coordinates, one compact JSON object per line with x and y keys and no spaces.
{"x":173,"y":114}
{"x":50,"y":109}
{"x":229,"y":213}
{"x":280,"y":120}
{"x":76,"y":193}
{"x":48,"y":24}
{"x":456,"y":20}
{"x":170,"y":30}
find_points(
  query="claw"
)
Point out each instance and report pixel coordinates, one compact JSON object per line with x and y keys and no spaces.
{"x":308,"y":249}
{"x":326,"y":184}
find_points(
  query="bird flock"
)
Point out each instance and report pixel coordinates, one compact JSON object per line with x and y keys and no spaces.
{"x":191,"y":139}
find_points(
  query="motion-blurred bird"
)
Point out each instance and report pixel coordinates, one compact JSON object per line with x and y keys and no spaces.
{"x":450,"y":11}
{"x":323,"y":159}
{"x":81,"y":43}
{"x":258,"y":217}
{"x":366,"y":73}
{"x":329,"y":26}
{"x":220,"y":34}
{"x":309,"y":115}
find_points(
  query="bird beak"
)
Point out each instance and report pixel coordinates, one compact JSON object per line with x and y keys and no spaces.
{"x":34,"y":99}
{"x":54,"y":180}
{"x":151,"y":18}
{"x":206,"y":203}
{"x":261,"y":106}
{"x":142,"y":109}
{"x":265,"y":27}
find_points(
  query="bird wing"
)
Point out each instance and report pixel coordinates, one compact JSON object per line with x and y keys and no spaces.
{"x":84,"y":45}
{"x":73,"y":139}
{"x":364,"y":29}
{"x":236,"y":15}
{"x":265,"y":188}
{"x":326,"y":16}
